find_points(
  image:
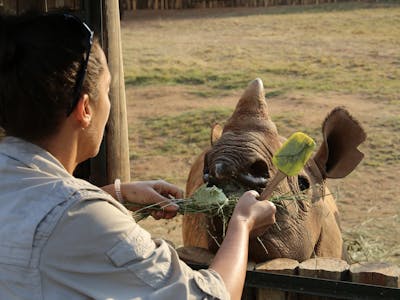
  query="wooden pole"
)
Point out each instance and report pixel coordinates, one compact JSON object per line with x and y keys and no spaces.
{"x":117,"y":130}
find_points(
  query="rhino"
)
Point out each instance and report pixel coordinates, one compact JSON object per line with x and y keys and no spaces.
{"x":240,"y":158}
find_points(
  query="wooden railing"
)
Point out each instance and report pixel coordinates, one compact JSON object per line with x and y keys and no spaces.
{"x":314,"y":279}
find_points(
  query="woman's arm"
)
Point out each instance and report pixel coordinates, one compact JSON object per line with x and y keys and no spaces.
{"x":231,"y":259}
{"x":249,"y":216}
{"x":150,"y":192}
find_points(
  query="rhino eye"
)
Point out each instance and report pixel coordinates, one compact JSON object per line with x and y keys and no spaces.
{"x":304,"y":183}
{"x":259,"y":169}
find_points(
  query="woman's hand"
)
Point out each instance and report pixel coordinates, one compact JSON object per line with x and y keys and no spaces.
{"x":250,"y":217}
{"x":144,"y":193}
{"x":258,"y":215}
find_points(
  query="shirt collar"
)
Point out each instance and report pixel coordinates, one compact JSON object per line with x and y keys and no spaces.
{"x":32,"y":156}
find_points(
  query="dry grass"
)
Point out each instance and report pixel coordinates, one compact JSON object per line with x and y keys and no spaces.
{"x":349,"y":51}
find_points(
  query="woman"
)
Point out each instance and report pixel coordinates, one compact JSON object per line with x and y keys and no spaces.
{"x":61,"y":237}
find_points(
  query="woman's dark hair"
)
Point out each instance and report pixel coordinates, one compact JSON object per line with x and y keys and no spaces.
{"x":40,"y":61}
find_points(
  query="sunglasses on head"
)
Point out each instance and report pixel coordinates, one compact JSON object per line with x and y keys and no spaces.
{"x":87,"y":33}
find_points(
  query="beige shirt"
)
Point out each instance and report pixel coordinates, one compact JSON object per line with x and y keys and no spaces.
{"x":63,"y":238}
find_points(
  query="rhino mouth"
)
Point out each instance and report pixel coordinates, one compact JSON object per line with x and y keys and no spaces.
{"x":241,"y":182}
{"x":238,"y":183}
{"x":234,"y":179}
{"x":235,"y":185}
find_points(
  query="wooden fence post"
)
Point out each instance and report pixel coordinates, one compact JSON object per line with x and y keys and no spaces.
{"x":117,"y":130}
{"x":376,"y":273}
{"x":324,"y":268}
{"x":284,"y":266}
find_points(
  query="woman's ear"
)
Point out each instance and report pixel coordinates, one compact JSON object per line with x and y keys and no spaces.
{"x":83,"y":111}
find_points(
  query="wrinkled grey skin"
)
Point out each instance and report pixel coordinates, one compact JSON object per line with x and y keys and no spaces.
{"x":240,"y":159}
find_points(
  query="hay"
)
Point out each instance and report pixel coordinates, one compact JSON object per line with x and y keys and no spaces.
{"x":362,"y":244}
{"x":210,"y":201}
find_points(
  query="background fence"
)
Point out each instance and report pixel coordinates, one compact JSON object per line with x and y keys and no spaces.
{"x":180,"y":4}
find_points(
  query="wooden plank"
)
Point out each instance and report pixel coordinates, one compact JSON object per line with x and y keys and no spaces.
{"x":117,"y":130}
{"x":382,"y":274}
{"x":279,"y":266}
{"x":323,"y":267}
{"x":284,"y":266}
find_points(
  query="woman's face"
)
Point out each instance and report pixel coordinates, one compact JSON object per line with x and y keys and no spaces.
{"x":100,"y":108}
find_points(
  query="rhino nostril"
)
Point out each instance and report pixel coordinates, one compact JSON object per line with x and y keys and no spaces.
{"x":259,"y":169}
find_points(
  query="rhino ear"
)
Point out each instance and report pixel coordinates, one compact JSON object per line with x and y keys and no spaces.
{"x":338,"y":155}
{"x":216,"y":132}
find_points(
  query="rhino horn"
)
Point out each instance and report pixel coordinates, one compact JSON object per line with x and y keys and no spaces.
{"x":251,"y":107}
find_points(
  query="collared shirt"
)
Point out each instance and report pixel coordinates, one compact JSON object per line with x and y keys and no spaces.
{"x":63,"y":238}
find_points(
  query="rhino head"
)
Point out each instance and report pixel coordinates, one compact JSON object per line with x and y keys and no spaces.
{"x":241,"y":154}
{"x":240,"y":158}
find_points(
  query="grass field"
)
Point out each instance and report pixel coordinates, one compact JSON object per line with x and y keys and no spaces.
{"x":186,"y":69}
